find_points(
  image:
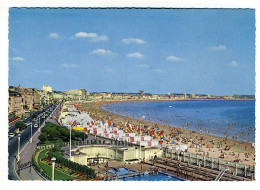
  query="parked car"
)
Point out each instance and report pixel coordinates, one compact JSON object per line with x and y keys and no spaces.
{"x":11,"y":134}
{"x":35,"y":125}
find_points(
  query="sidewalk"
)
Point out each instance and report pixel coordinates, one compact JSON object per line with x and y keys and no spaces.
{"x":26,"y":154}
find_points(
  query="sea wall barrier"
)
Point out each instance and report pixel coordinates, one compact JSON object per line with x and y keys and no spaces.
{"x":233,"y":168}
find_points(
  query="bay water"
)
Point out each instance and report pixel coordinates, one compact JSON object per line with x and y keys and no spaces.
{"x":234,"y":119}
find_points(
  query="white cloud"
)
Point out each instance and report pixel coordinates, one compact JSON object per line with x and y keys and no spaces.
{"x":174,"y":58}
{"x":45,"y":71}
{"x":16,"y":59}
{"x":69,"y":65}
{"x":218,"y":48}
{"x":234,"y":63}
{"x":159,"y":70}
{"x":136,"y":55}
{"x":92,"y":36}
{"x":54,"y":35}
{"x":103,"y":52}
{"x":132,"y":40}
{"x":143,"y":65}
{"x":100,"y":38}
{"x":85,"y":35}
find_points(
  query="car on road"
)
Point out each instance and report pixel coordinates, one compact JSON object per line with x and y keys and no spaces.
{"x":35,"y":125}
{"x":11,"y":135}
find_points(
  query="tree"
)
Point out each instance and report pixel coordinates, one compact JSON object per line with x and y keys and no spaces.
{"x":43,"y":137}
{"x":34,"y":116}
{"x":19,"y":125}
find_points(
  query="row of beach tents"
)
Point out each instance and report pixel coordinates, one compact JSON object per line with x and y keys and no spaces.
{"x":81,"y":121}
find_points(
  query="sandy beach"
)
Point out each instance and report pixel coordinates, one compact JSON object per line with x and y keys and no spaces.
{"x":203,"y":144}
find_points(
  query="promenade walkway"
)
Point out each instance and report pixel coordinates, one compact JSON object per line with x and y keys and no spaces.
{"x":27,"y":152}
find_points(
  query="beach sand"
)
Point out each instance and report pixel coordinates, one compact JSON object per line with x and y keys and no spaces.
{"x":238,"y":149}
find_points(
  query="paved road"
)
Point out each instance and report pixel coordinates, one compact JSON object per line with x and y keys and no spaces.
{"x":27,"y":150}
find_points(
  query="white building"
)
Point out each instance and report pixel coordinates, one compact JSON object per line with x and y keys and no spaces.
{"x":47,"y":88}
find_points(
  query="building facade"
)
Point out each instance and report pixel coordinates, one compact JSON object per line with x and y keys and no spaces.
{"x":22,"y":100}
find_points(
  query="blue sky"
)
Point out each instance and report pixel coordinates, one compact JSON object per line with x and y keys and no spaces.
{"x":202,"y":51}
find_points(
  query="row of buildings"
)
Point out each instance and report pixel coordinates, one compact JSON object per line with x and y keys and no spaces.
{"x":24,"y":100}
{"x":48,"y":95}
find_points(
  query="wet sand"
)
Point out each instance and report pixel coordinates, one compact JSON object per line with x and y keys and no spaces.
{"x":239,"y":150}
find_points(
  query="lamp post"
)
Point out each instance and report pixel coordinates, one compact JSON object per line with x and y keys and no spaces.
{"x":39,"y":123}
{"x":43,"y":117}
{"x":18,"y":154}
{"x":44,"y":122}
{"x":70,"y":140}
{"x":142,"y":118}
{"x":31,"y":134}
{"x":53,"y":159}
{"x":140,"y":141}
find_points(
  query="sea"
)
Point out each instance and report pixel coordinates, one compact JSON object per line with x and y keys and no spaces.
{"x":234,"y":119}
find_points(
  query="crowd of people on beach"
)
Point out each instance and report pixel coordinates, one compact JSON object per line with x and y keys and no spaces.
{"x":197,"y":143}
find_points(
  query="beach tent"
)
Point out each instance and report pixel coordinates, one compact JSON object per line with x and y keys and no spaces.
{"x":144,"y":143}
{"x":132,"y":134}
{"x":131,"y":139}
{"x":147,"y":138}
{"x":182,"y":147}
{"x":137,"y":138}
{"x":154,"y":143}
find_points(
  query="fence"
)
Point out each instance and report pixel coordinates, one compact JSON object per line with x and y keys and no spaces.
{"x":87,"y":142}
{"x":213,"y":163}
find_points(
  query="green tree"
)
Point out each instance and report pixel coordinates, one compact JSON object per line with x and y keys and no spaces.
{"x":43,"y":137}
{"x":34,"y":116}
{"x":19,"y":125}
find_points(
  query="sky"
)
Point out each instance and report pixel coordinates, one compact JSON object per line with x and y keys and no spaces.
{"x":201,"y":51}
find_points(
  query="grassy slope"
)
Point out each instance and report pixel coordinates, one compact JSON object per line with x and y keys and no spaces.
{"x":48,"y":170}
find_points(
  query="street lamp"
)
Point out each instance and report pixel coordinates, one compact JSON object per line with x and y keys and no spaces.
{"x":142,"y":118}
{"x":70,"y":140}
{"x":53,"y":159}
{"x":31,"y":134}
{"x":18,"y":154}
{"x":39,"y":123}
{"x":140,"y":142}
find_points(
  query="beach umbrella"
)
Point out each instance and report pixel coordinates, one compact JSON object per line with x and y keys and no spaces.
{"x":173,"y":142}
{"x":77,"y":128}
{"x":163,"y":138}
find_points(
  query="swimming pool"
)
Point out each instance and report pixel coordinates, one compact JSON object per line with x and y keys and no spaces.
{"x":161,"y":176}
{"x":121,"y":171}
{"x":154,"y":177}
